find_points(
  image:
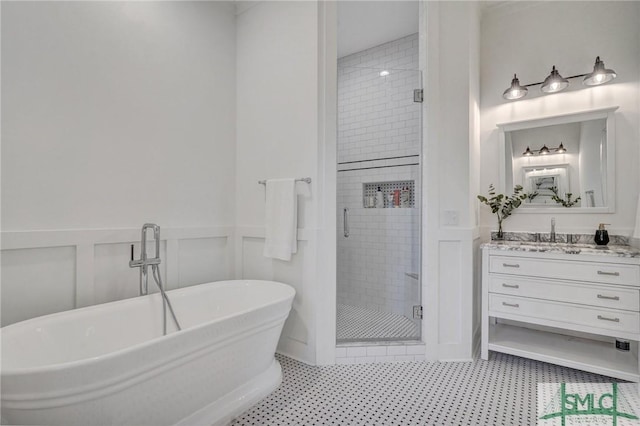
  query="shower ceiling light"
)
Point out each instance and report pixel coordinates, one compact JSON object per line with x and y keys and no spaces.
{"x":384,"y":73}
{"x":555,"y":82}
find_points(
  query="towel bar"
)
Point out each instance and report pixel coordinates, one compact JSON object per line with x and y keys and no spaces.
{"x":307,"y":179}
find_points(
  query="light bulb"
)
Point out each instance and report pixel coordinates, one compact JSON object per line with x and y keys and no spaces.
{"x":600,"y":74}
{"x":554,"y":82}
{"x":384,"y":73}
{"x":515,"y":91}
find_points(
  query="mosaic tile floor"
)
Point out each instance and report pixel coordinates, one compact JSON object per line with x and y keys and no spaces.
{"x":360,"y":324}
{"x":501,"y":391}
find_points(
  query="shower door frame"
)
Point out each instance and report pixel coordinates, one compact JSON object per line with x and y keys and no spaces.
{"x":418,"y":205}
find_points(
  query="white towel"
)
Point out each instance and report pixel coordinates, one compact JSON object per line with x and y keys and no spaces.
{"x":281,"y":219}
{"x":636,"y":233}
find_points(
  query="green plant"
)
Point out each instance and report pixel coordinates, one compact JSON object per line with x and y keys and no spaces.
{"x":568,"y":202}
{"x":532,"y":195}
{"x":501,"y":205}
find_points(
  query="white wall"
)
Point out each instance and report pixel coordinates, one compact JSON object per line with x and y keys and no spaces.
{"x":278,"y":136}
{"x":117,"y":113}
{"x":450,"y":171}
{"x":569,"y":35}
{"x":365,"y":24}
{"x":114,"y":114}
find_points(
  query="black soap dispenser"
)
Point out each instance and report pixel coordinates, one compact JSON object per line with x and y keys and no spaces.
{"x":602,"y":236}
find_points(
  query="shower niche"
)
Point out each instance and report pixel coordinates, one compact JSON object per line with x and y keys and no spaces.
{"x":395,"y":194}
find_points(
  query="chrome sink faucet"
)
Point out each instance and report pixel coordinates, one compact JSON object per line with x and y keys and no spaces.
{"x":552,"y":234}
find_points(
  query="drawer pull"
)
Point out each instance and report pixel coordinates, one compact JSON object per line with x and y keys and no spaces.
{"x":615,"y":274}
{"x":600,"y":317}
{"x":600,"y":296}
{"x":512,"y":265}
{"x":510,"y":285}
{"x":513,"y":305}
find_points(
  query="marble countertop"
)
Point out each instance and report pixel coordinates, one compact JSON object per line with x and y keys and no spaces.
{"x":544,"y":247}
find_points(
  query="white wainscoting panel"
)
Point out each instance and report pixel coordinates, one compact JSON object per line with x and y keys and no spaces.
{"x":449,"y":325}
{"x":477,"y":291}
{"x":58,"y":270}
{"x":450,"y":294}
{"x":296,"y":327}
{"x":254,"y":265}
{"x":202,"y":260}
{"x":113,"y":278}
{"x":251,"y":264}
{"x":37,"y":282}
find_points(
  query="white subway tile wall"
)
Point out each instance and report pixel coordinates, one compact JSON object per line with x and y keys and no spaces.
{"x":378,"y":141}
{"x":377,"y":116}
{"x":382,"y":246}
{"x":380,"y":353}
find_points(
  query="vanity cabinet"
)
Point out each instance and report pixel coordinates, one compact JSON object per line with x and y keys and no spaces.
{"x":565,"y":309}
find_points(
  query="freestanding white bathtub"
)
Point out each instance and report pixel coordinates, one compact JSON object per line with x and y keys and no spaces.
{"x":110,"y":364}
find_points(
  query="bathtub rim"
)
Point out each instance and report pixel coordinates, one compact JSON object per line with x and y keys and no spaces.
{"x":110,"y":355}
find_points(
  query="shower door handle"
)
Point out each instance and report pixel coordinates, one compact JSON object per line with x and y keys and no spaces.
{"x":345,"y":217}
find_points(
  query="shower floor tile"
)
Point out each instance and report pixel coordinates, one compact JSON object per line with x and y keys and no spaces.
{"x":361,"y":324}
{"x":501,"y":391}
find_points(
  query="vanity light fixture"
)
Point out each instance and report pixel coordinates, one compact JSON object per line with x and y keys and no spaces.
{"x":544,"y":150}
{"x":515,"y":91}
{"x":600,"y":74}
{"x":555,"y":82}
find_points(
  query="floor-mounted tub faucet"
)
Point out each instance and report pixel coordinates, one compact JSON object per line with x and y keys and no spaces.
{"x":552,"y":234}
{"x":143,"y":263}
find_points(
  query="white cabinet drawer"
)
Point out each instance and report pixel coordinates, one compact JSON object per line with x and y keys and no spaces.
{"x":585,"y":294}
{"x":602,"y":318}
{"x":608,"y":273}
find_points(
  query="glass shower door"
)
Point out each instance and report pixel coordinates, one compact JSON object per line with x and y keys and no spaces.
{"x":379,"y":152}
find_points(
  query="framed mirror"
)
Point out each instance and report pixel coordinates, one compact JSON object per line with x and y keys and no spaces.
{"x":565,"y":163}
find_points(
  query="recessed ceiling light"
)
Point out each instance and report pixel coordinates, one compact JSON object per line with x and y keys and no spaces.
{"x":384,"y":73}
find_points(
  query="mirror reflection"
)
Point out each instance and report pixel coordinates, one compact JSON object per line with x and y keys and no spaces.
{"x":559,"y":166}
